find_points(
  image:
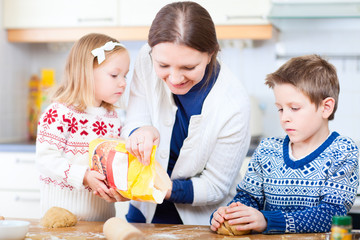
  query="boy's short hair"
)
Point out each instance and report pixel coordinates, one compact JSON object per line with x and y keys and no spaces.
{"x":311,"y":74}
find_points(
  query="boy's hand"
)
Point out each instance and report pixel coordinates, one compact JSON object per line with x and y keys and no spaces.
{"x":141,"y":141}
{"x":253,"y":219}
{"x":218,"y":218}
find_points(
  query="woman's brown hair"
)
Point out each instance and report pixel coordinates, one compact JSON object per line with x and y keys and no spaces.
{"x":186,"y":23}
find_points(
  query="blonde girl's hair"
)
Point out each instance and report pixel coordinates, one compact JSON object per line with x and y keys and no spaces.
{"x":312,"y":75}
{"x":77,"y":87}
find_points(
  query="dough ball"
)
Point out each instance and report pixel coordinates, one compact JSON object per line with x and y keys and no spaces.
{"x":2,"y":218}
{"x":57,"y":217}
{"x":119,"y":229}
{"x":227,"y":229}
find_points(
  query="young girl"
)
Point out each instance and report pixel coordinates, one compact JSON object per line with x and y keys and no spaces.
{"x":82,"y":110}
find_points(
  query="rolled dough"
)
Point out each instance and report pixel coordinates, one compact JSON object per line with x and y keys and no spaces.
{"x":227,"y":229}
{"x":57,"y":217}
{"x":119,"y":229}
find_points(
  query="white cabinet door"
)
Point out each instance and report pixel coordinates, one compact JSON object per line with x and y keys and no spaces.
{"x":237,"y":12}
{"x":20,"y":204}
{"x":59,"y":13}
{"x":225,"y":12}
{"x":18,"y":171}
{"x":140,"y":12}
{"x":19,"y":185}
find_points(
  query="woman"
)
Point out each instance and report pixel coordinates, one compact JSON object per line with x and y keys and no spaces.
{"x":200,"y":109}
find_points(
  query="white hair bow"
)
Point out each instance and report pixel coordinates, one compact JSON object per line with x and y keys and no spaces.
{"x":100,"y":52}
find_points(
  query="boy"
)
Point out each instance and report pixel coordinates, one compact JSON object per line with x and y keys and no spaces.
{"x":298,"y":183}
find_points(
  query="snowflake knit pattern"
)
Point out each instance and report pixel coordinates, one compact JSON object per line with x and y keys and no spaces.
{"x":302,"y":195}
{"x":62,"y":147}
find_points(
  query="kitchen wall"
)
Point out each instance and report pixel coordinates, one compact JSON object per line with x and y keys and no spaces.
{"x":250,"y":61}
{"x":14,"y":72}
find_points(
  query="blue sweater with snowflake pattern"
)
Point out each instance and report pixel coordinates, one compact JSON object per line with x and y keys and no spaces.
{"x":301,"y":196}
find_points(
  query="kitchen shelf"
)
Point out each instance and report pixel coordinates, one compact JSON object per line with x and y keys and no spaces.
{"x":44,"y":35}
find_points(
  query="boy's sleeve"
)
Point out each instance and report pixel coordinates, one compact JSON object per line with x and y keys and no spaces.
{"x":245,"y":194}
{"x":250,"y":189}
{"x":310,"y":220}
{"x":337,"y":197}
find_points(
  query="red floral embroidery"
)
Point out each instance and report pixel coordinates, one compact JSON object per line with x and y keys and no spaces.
{"x":50,"y":116}
{"x":73,"y":126}
{"x":99,"y":128}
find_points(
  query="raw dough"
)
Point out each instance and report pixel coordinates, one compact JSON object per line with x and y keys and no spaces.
{"x":2,"y":218}
{"x":227,"y":229}
{"x":119,"y":229}
{"x":57,"y":217}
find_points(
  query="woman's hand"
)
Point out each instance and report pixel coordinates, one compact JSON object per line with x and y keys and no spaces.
{"x":141,"y":141}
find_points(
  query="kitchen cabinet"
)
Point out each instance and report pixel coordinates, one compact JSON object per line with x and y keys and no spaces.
{"x":54,"y":21}
{"x":59,"y":13}
{"x":19,"y":185}
{"x":20,"y":189}
{"x":228,"y":12}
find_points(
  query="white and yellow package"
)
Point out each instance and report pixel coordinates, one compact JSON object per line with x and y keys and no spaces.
{"x":126,"y":173}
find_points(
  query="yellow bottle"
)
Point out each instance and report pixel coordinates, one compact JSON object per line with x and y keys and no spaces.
{"x":38,"y":98}
{"x":47,"y":81}
{"x":34,"y":105}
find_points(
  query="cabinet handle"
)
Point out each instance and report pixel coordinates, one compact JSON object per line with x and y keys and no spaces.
{"x":228,"y":17}
{"x":80,"y":20}
{"x":26,"y":199}
{"x":24,"y":160}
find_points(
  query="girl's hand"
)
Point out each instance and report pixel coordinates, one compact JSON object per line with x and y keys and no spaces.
{"x":95,"y":181}
{"x":116,"y":195}
{"x":253,"y":219}
{"x":141,"y":141}
{"x":218,"y":218}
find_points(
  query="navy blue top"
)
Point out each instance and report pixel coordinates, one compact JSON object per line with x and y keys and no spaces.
{"x":188,"y":105}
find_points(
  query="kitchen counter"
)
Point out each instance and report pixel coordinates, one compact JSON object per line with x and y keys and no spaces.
{"x":93,"y":230}
{"x":18,"y":147}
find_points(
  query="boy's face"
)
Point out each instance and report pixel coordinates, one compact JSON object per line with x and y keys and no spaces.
{"x":300,"y":119}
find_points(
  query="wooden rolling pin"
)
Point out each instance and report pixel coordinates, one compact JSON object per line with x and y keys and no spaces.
{"x":119,"y":229}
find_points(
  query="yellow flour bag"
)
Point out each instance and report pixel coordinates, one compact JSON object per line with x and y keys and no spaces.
{"x":126,"y":173}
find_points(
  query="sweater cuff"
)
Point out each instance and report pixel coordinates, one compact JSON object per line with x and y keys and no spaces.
{"x":76,"y":175}
{"x":275,"y":222}
{"x":182,"y":191}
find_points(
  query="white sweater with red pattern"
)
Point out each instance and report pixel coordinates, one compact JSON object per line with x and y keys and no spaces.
{"x":62,"y":158}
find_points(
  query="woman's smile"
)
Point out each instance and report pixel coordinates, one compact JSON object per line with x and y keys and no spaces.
{"x":180,"y":66}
